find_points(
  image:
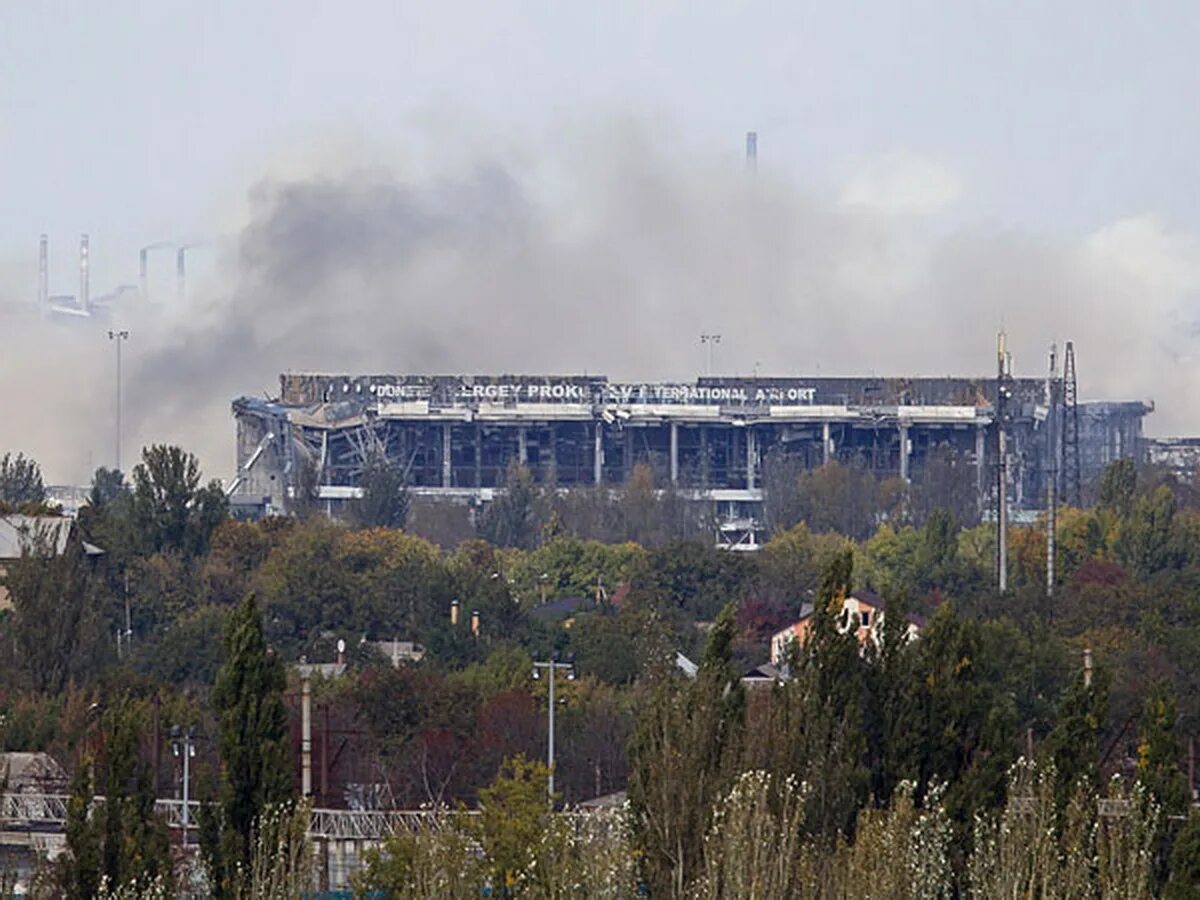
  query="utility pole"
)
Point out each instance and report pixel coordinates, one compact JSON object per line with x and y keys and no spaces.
{"x":1052,"y":473}
{"x":183,"y":743}
{"x":1003,"y":391}
{"x":305,"y":735}
{"x":119,"y":337}
{"x":551,"y":665}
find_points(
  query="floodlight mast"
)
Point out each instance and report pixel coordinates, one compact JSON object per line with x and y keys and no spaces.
{"x":551,"y":665}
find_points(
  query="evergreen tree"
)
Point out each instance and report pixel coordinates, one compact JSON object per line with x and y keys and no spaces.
{"x":1159,"y":752}
{"x":384,"y":503}
{"x":962,"y":728}
{"x":79,"y":868}
{"x":20,"y":481}
{"x":55,"y":605}
{"x":107,"y":486}
{"x":1184,"y":883}
{"x":828,"y":694}
{"x":1147,"y":539}
{"x":252,"y":723}
{"x":1118,"y":486}
{"x":682,"y":758}
{"x":511,"y":519}
{"x":137,"y":845}
{"x":170,"y":510}
{"x":938,"y":550}
{"x":1072,"y":747}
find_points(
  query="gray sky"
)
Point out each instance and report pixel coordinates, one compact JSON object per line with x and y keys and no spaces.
{"x":1067,"y":125}
{"x":138,"y":120}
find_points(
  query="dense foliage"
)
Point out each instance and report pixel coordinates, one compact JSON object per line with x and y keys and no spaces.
{"x":424,"y":706}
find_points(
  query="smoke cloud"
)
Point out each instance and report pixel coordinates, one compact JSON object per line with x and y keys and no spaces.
{"x":608,"y":256}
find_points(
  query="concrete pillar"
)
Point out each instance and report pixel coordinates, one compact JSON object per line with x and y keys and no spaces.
{"x":826,"y":443}
{"x":338,"y":879}
{"x":904,"y":452}
{"x":980,"y":462}
{"x":447,"y":474}
{"x":674,"y":453}
{"x":704,"y":461}
{"x":552,"y":454}
{"x":751,"y":457}
{"x":522,"y":446}
{"x":598,"y":458}
{"x":478,"y":456}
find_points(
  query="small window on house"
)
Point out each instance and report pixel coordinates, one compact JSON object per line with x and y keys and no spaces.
{"x":866,"y":618}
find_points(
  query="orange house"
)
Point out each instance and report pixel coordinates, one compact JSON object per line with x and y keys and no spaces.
{"x":863,"y":611}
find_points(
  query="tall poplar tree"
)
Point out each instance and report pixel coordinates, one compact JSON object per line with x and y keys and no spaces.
{"x":682,"y":759}
{"x":253,"y":742}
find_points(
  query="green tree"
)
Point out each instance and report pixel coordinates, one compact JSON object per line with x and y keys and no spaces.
{"x":1073,"y":747}
{"x":962,"y":729}
{"x":827,"y":695}
{"x":384,"y":502}
{"x":513,"y":814}
{"x":78,"y":872}
{"x":1118,"y":486}
{"x":20,"y":481}
{"x":107,"y":486}
{"x":55,"y":608}
{"x":1159,"y":752}
{"x":511,"y":520}
{"x":252,"y":723}
{"x":1184,"y":883}
{"x":170,"y":510}
{"x":938,"y":550}
{"x":137,"y":845}
{"x":682,"y":758}
{"x":1147,"y":538}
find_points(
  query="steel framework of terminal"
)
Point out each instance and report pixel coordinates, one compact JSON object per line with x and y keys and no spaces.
{"x":455,"y":436}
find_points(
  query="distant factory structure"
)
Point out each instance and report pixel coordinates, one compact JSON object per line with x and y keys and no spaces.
{"x":83,"y":304}
{"x":455,"y":436}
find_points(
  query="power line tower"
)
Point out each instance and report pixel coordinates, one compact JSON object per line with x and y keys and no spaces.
{"x":1070,"y":429}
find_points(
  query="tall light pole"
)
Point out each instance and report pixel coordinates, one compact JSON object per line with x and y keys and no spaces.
{"x":551,"y":666}
{"x":709,"y":340}
{"x":183,"y":743}
{"x":119,"y":337}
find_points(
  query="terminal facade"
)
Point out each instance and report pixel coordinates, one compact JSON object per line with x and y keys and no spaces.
{"x":455,"y":436}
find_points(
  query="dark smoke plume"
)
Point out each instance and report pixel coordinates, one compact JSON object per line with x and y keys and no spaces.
{"x":614,"y":263}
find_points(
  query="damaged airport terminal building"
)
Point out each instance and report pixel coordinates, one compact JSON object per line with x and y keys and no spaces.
{"x":455,"y":436}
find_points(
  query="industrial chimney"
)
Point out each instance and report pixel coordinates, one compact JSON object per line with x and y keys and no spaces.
{"x":84,"y":301}
{"x":751,"y":151}
{"x":43,"y":272}
{"x":180,"y":273}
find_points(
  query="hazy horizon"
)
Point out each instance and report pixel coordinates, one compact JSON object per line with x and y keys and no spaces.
{"x":394,"y":188}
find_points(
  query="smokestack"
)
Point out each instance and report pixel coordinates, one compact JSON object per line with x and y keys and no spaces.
{"x":43,"y":272}
{"x":84,"y":301}
{"x":144,"y":273}
{"x":180,"y":273}
{"x":751,"y":151}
